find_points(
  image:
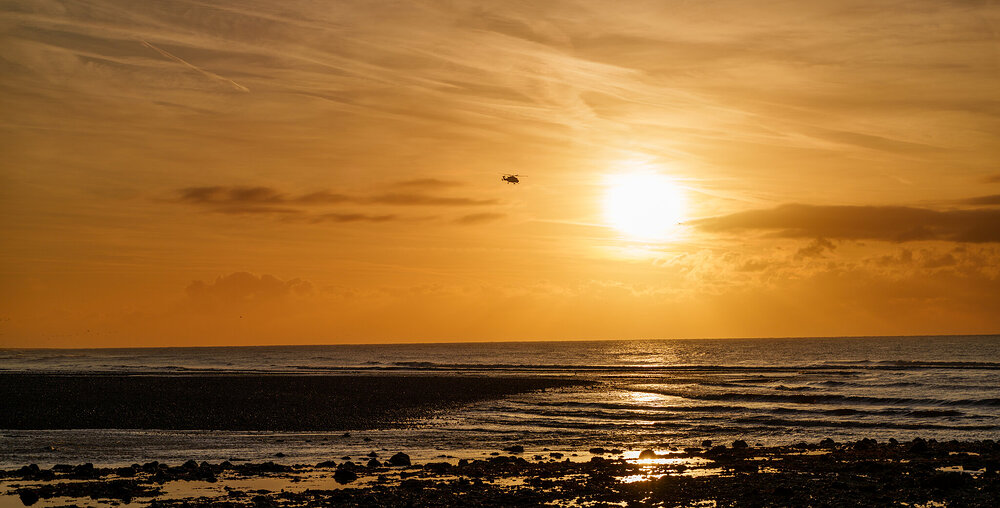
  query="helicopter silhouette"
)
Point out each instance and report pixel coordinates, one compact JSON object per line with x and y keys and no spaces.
{"x":510,"y":178}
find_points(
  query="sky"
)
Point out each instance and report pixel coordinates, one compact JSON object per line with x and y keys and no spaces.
{"x":185,"y":173}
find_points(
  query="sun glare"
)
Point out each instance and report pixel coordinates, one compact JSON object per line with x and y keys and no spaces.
{"x":644,"y":206}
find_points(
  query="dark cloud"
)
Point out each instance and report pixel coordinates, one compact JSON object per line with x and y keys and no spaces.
{"x":243,"y":196}
{"x":983,"y":200}
{"x":887,"y":223}
{"x":479,"y":218}
{"x":992,"y":178}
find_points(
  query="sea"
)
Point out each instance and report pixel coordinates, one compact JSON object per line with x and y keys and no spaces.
{"x":660,"y":394}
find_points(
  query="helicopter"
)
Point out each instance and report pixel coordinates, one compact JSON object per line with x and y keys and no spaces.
{"x":510,"y":178}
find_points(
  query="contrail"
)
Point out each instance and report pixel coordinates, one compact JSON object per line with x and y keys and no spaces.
{"x":192,"y":66}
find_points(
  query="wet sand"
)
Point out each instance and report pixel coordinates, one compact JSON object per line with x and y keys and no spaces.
{"x":863,"y":473}
{"x":241,"y":402}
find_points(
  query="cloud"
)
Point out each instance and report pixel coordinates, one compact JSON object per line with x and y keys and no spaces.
{"x":886,"y":223}
{"x":260,"y":200}
{"x":991,"y":200}
{"x":479,"y":218}
{"x":244,"y":287}
{"x":428,"y":183}
{"x":816,"y":249}
{"x":424,"y":200}
{"x":243,"y":195}
{"x":352,"y":217}
{"x":992,"y":178}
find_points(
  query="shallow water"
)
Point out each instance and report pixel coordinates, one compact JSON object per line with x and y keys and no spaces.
{"x":651,"y":393}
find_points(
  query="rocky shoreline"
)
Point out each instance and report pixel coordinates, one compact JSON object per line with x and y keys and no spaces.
{"x":862,"y":473}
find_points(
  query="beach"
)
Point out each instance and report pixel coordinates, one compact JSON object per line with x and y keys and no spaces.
{"x":755,"y":422}
{"x":864,"y":473}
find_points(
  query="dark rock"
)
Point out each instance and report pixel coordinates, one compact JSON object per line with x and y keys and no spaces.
{"x":346,"y":434}
{"x":374,"y":463}
{"x":706,"y":443}
{"x":827,"y":443}
{"x":399,"y":459}
{"x":647,"y":454}
{"x":126,"y":472}
{"x":739,"y":444}
{"x":514,"y":449}
{"x":555,"y":455}
{"x":918,"y":445}
{"x":191,"y":464}
{"x":366,"y":439}
{"x":463,"y":462}
{"x":598,"y":450}
{"x":372,"y":454}
{"x":279,"y":454}
{"x":28,"y":496}
{"x":343,"y":476}
{"x":438,"y":467}
{"x":615,"y":451}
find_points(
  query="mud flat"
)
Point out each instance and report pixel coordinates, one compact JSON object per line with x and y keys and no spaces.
{"x":242,"y":402}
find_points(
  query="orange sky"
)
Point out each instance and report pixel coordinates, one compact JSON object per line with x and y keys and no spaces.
{"x":262,"y":172}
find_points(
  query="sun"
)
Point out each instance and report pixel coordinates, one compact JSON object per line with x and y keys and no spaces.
{"x":644,"y":206}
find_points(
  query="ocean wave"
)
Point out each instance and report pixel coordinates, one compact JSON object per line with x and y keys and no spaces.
{"x":825,"y":398}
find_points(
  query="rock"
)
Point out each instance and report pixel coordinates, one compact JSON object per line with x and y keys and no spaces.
{"x":647,"y":455}
{"x":706,"y":443}
{"x":279,"y":454}
{"x":555,"y":455}
{"x":191,"y":464}
{"x":346,"y":434}
{"x":366,"y":439}
{"x":463,"y":462}
{"x":400,"y":459}
{"x":739,"y":444}
{"x":598,"y":450}
{"x":343,"y":476}
{"x":438,"y":467}
{"x":347,"y":466}
{"x":374,"y":463}
{"x":827,"y":443}
{"x":918,"y":445}
{"x":327,"y":463}
{"x":28,"y":496}
{"x":514,"y":449}
{"x":615,"y":451}
{"x":372,"y":454}
{"x":346,"y":457}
